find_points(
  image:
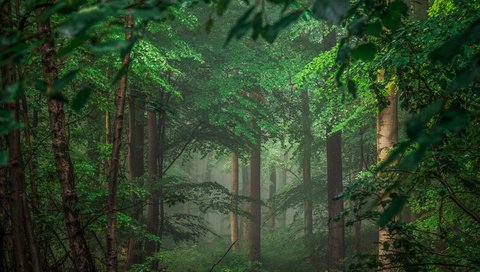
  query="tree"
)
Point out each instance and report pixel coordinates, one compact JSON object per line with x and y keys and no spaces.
{"x":76,"y":234}
{"x":233,"y":214}
{"x":115,"y":160}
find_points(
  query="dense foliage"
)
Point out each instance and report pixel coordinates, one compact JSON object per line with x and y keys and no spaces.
{"x":122,"y":122}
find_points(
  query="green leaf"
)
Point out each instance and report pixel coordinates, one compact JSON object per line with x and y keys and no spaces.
{"x":81,"y":99}
{"x":59,"y":84}
{"x":352,"y":88}
{"x":241,"y":27}
{"x":365,"y":51}
{"x":222,"y":6}
{"x":3,"y":157}
{"x":374,"y":29}
{"x":122,"y":71}
{"x":393,"y":209}
{"x":331,"y":10}
{"x":72,"y":45}
{"x":271,"y":32}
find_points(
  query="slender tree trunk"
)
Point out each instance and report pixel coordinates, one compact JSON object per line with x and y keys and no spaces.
{"x":387,"y":137}
{"x":336,"y":232}
{"x":307,"y":176}
{"x":136,"y":171}
{"x":254,"y":223}
{"x":282,"y":217}
{"x":115,"y":159}
{"x":358,"y":223}
{"x":81,"y":256}
{"x":162,"y":127}
{"x":245,"y":192}
{"x":153,"y":201}
{"x":272,"y":191}
{"x":233,"y":214}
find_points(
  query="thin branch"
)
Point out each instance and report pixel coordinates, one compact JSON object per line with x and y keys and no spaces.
{"x":228,"y":250}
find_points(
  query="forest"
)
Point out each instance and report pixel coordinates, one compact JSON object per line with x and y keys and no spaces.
{"x":237,"y":136}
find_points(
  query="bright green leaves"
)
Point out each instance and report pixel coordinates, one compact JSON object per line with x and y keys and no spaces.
{"x":365,"y":52}
{"x":333,"y":11}
{"x":394,"y":208}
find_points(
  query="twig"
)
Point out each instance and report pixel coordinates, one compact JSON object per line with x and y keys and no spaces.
{"x":228,"y":250}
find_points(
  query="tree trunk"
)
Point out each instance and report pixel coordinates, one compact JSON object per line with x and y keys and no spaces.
{"x":153,"y":200}
{"x":254,"y":223}
{"x":115,"y":159}
{"x":233,"y":214}
{"x":387,"y":137}
{"x":81,"y":256}
{"x":336,"y":232}
{"x":307,"y":176}
{"x":136,"y":171}
{"x":272,"y":191}
{"x":282,"y":217}
{"x":245,"y":192}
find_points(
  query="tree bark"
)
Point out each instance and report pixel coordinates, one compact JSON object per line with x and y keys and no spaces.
{"x":282,"y":217}
{"x":233,"y":214}
{"x":387,"y":137}
{"x":153,"y":200}
{"x":254,"y":223}
{"x":81,"y":256}
{"x":245,"y":192}
{"x":336,"y":232}
{"x":272,"y":191}
{"x":307,"y":176}
{"x":136,"y":171}
{"x":115,"y":159}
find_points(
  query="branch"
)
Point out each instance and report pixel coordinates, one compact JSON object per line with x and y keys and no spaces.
{"x":458,"y":202}
{"x":228,"y":250}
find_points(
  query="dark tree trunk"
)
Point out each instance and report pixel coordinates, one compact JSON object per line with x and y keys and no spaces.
{"x":254,"y":224}
{"x":282,"y":217}
{"x":81,"y":256}
{"x":272,"y":191}
{"x":245,"y":192}
{"x":153,"y":200}
{"x":336,"y":232}
{"x":233,"y":214}
{"x":136,"y":171}
{"x":115,"y":159}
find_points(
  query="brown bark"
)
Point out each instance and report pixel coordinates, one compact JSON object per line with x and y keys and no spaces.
{"x":153,"y":201}
{"x":233,"y":214}
{"x":115,"y":158}
{"x":282,"y":217}
{"x":336,"y":232}
{"x":81,"y":256}
{"x":254,"y":223}
{"x":245,"y":192}
{"x":272,"y":189}
{"x":307,"y":176}
{"x":136,"y":171}
{"x":387,"y":137}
